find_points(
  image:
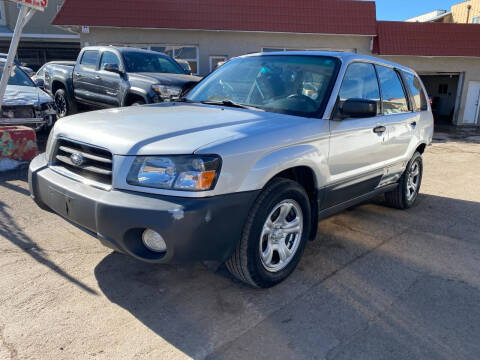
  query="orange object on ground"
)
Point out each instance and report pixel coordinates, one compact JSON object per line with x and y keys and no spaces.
{"x":18,"y":143}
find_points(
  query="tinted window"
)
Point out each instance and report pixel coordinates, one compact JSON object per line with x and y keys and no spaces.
{"x":109,"y":58}
{"x":360,"y":82}
{"x":90,"y":58}
{"x":150,"y":63}
{"x":419,"y":99}
{"x":297,"y":85}
{"x":393,"y":95}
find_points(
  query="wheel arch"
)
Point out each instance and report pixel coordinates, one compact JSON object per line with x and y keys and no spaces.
{"x":133,"y":95}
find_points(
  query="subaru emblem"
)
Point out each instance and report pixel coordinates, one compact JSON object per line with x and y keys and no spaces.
{"x":77,"y":159}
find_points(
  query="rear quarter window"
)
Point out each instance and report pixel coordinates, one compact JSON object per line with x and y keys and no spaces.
{"x":419,"y":100}
{"x":393,"y":95}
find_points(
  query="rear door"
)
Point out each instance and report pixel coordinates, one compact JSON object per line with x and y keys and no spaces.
{"x":357,"y":145}
{"x":110,"y":82}
{"x":397,"y":117}
{"x":84,"y":76}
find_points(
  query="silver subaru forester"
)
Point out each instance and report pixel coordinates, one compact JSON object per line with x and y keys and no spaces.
{"x":241,"y":169}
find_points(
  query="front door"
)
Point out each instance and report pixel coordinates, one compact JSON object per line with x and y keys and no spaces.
{"x":357,"y":147}
{"x":472,"y":107}
{"x":110,"y":82}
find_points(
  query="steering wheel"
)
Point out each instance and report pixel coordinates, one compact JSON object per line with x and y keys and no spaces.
{"x":302,"y":99}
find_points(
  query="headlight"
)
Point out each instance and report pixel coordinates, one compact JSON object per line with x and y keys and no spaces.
{"x":188,"y":173}
{"x":167,"y":92}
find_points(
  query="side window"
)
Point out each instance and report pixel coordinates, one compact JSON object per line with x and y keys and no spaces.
{"x":360,"y":82}
{"x":393,"y":95}
{"x":109,"y":57}
{"x":90,"y":58}
{"x":418,"y":95}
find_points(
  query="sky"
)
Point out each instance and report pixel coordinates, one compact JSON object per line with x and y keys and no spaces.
{"x":398,"y":10}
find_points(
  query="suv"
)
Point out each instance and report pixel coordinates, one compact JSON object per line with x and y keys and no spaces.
{"x":242,"y":169}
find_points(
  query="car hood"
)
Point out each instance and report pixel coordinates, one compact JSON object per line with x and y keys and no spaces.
{"x":25,"y":95}
{"x":170,"y":128}
{"x":166,"y":78}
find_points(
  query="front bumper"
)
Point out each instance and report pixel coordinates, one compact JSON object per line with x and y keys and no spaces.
{"x":194,"y":229}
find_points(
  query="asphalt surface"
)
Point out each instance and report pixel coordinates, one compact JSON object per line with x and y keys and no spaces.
{"x":378,"y":283}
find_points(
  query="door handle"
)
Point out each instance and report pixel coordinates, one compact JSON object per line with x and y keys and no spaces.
{"x":413,"y":124}
{"x":97,"y":77}
{"x":78,"y":74}
{"x":379,"y":129}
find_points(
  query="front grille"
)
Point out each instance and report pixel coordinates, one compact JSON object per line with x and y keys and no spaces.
{"x":18,"y":112}
{"x":87,"y":161}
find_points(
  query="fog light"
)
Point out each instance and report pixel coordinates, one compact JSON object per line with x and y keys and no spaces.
{"x":154,"y":241}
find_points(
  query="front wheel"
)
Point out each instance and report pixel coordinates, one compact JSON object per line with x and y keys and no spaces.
{"x":64,"y":105}
{"x":274,"y":235}
{"x":406,"y":193}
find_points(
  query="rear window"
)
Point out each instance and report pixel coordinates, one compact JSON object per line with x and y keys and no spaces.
{"x":415,"y":86}
{"x":90,"y":58}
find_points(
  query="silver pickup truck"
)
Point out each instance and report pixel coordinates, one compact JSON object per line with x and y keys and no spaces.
{"x":242,"y":169}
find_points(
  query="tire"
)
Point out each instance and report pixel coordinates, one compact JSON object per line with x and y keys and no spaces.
{"x":64,"y":105}
{"x":138,"y":103}
{"x":403,"y":197}
{"x":263,"y":271}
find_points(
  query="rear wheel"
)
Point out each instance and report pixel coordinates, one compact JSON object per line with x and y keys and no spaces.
{"x":406,"y":193}
{"x":274,"y":235}
{"x":64,"y":105}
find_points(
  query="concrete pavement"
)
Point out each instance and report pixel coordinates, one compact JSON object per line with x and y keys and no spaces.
{"x":377,"y":284}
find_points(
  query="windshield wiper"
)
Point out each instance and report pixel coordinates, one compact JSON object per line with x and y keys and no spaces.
{"x":231,"y":103}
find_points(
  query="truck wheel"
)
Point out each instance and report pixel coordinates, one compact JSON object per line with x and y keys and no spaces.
{"x":406,"y":193}
{"x":64,"y":105}
{"x":274,"y":235}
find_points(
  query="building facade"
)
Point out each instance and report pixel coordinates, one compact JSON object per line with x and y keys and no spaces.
{"x":41,"y":41}
{"x":447,"y":56}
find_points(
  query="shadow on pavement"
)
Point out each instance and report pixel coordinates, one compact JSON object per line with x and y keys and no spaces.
{"x":198,"y":311}
{"x":13,"y":233}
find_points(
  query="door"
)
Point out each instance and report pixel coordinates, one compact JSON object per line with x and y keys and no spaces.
{"x":357,"y":145}
{"x":84,"y":76}
{"x":472,"y":106}
{"x":110,"y":82}
{"x":397,"y":117}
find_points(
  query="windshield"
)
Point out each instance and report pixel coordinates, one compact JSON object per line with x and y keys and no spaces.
{"x":289,"y":84}
{"x":143,"y":62}
{"x":18,"y":77}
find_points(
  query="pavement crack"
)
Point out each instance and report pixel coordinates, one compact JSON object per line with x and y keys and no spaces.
{"x":9,"y":346}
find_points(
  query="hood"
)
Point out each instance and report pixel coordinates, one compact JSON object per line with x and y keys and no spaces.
{"x":25,"y":95}
{"x":167,"y":78}
{"x":165,"y":129}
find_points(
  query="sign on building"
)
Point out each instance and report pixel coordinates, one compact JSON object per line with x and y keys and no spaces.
{"x":36,"y":4}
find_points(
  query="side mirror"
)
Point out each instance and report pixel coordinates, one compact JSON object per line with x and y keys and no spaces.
{"x":359,"y":108}
{"x":39,"y":82}
{"x":112,"y":68}
{"x":187,"y":72}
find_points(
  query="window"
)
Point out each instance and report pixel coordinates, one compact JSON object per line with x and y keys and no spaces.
{"x":294,"y":85}
{"x":276,"y":49}
{"x":216,"y":61}
{"x":476,"y":20}
{"x":393,"y":95}
{"x":188,"y":53}
{"x":90,"y":58}
{"x":360,"y":82}
{"x":109,"y":57}
{"x":146,"y":62}
{"x":443,"y":89}
{"x":418,"y":96}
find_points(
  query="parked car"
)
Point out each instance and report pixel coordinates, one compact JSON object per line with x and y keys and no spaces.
{"x":243,"y":168}
{"x":39,"y":77}
{"x":24,"y":103}
{"x":107,"y":76}
{"x":22,"y":66}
